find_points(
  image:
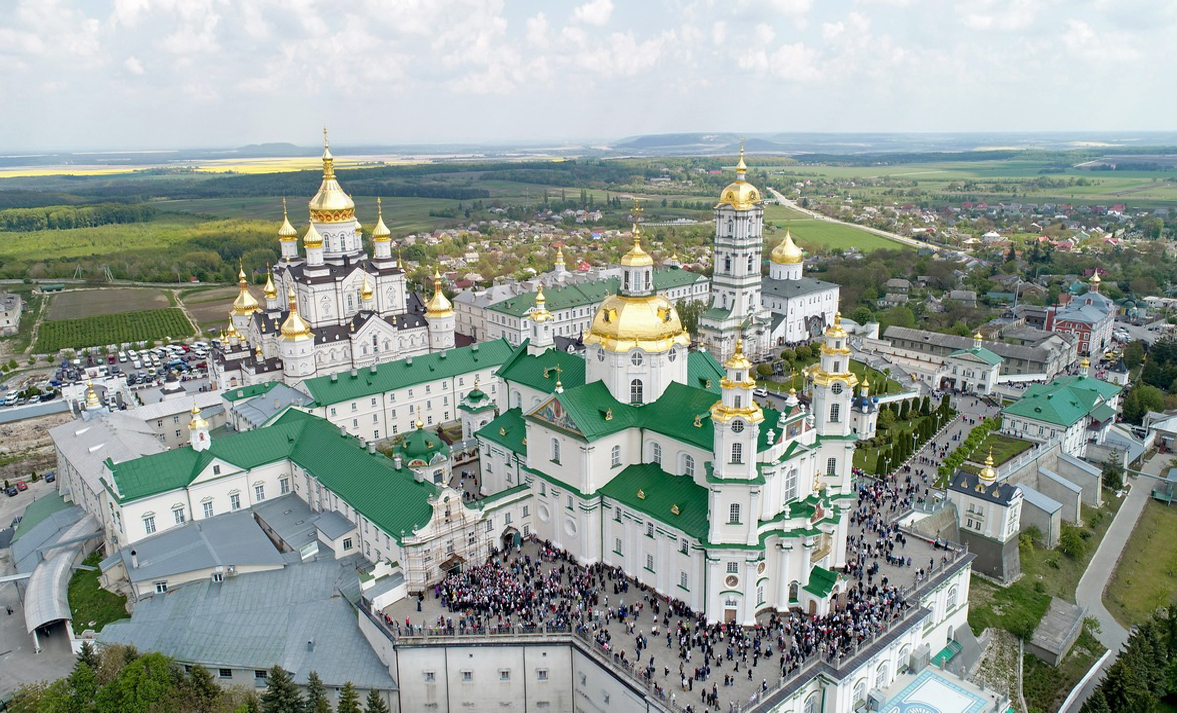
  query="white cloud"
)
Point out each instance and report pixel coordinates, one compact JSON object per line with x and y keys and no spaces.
{"x":790,"y":7}
{"x":999,"y":15}
{"x":1084,"y":42}
{"x":594,"y":12}
{"x":133,"y":65}
{"x":537,"y":30}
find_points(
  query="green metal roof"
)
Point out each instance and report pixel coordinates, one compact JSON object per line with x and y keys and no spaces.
{"x":539,"y":371}
{"x":590,"y":293}
{"x":1103,"y":412}
{"x":648,"y":489}
{"x":981,"y":353}
{"x":37,"y":511}
{"x":407,"y":372}
{"x":246,"y":392}
{"x":389,"y":497}
{"x":1062,"y":402}
{"x":821,"y":582}
{"x":422,"y":444}
{"x":508,"y":430}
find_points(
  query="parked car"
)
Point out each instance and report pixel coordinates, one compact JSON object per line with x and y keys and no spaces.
{"x":51,"y":476}
{"x":22,"y":486}
{"x":11,"y":491}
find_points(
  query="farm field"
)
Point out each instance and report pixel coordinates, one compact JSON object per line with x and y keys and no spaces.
{"x":400,"y":214}
{"x":811,"y":232}
{"x":74,"y":304}
{"x":210,"y":308}
{"x":100,"y":330}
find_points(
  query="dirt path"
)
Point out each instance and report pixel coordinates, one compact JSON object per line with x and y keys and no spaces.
{"x":187,"y":315}
{"x":42,"y":310}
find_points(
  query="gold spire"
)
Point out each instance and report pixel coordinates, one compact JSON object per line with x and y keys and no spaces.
{"x":739,"y":376}
{"x":197,"y":421}
{"x":246,"y":303}
{"x":331,"y":204}
{"x":312,"y":239}
{"x":738,"y":360}
{"x":835,"y":330}
{"x":787,"y":252}
{"x":287,"y":231}
{"x":269,"y":290}
{"x":295,"y":328}
{"x":400,"y":265}
{"x":636,"y":257}
{"x":740,"y":194}
{"x":560,"y":255}
{"x":380,"y":232}
{"x":988,"y":474}
{"x":540,"y":313}
{"x":366,"y":291}
{"x":92,"y":401}
{"x":231,"y":331}
{"x":438,"y":305}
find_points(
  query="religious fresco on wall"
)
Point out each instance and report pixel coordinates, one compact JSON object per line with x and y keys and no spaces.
{"x":553,"y":412}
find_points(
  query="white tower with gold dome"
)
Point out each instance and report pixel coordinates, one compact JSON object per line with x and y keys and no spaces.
{"x":786,"y":259}
{"x":245,"y":305}
{"x":541,"y":338}
{"x":198,"y":431}
{"x":737,"y":312}
{"x":439,"y":313}
{"x":636,"y":343}
{"x":296,"y":343}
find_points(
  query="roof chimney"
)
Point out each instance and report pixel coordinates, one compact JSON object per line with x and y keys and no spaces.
{"x":397,"y":461}
{"x":372,"y":447}
{"x":343,"y":430}
{"x":354,"y":373}
{"x":134,"y":559}
{"x":372,"y":369}
{"x":334,"y":378}
{"x":310,"y":644}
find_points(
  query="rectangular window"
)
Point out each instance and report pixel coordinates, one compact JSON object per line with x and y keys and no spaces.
{"x":216,"y":470}
{"x":832,"y":466}
{"x":489,"y":526}
{"x":682,"y":579}
{"x":617,"y":545}
{"x":504,"y":674}
{"x":161,"y":587}
{"x":178,"y":513}
{"x":507,"y":518}
{"x":835,"y":412}
{"x":733,"y":567}
{"x":684,"y":547}
{"x":218,"y":577}
{"x":526,"y":511}
{"x":733,"y":514}
{"x":284,"y":486}
{"x":259,"y":678}
{"x":569,"y":502}
{"x":467,"y":676}
{"x":208,"y":509}
{"x":649,"y":529}
{"x":650,"y":562}
{"x":226,"y":673}
{"x":259,"y":492}
{"x":430,"y":676}
{"x":234,"y":501}
{"x":542,"y":674}
{"x":373,"y":400}
{"x":149,"y":524}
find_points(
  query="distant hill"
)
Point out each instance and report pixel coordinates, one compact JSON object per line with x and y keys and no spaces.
{"x":275,"y":149}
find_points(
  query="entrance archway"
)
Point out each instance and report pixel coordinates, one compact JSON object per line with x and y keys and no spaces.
{"x":510,"y":539}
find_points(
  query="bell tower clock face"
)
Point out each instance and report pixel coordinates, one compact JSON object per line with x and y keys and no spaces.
{"x":836,"y":388}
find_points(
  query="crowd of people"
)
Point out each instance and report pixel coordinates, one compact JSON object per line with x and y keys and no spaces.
{"x":659,"y":639}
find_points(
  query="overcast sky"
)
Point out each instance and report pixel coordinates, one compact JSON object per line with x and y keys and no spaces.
{"x":182,"y":73}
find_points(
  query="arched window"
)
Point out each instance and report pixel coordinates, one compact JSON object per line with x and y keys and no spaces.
{"x":812,"y":702}
{"x":860,"y":691}
{"x":794,"y":590}
{"x":727,"y":263}
{"x":733,"y":514}
{"x":615,"y":455}
{"x":791,"y":485}
{"x":556,"y":450}
{"x":750,"y":262}
{"x":738,"y":401}
{"x":737,"y":453}
{"x":951,"y":598}
{"x":635,"y":391}
{"x":648,"y":273}
{"x":881,"y":676}
{"x":656,"y":453}
{"x":688,"y":465}
{"x":626,"y":273}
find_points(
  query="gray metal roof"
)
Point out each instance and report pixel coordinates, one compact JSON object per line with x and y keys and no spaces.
{"x":231,"y":539}
{"x":259,"y":410}
{"x":261,"y":620}
{"x":27,"y":551}
{"x":46,"y":598}
{"x":333,"y":525}
{"x":789,"y":289}
{"x":176,"y":405}
{"x":295,"y":523}
{"x":1038,"y":500}
{"x":86,"y":444}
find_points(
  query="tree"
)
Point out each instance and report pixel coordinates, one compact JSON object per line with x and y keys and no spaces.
{"x":1113,"y":476}
{"x":349,"y":700}
{"x":689,"y":312}
{"x":316,"y":694}
{"x":139,"y":686}
{"x":1140,"y":400}
{"x":375,"y":703}
{"x":204,"y":689}
{"x":1096,"y":703}
{"x":764,"y":369}
{"x":1133,"y":354}
{"x":1071,"y":542}
{"x":281,"y":694}
{"x":88,"y":655}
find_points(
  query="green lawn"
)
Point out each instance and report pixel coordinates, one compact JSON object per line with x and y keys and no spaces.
{"x":811,"y":232}
{"x":91,"y":606}
{"x":1003,"y":447}
{"x":1017,"y":608}
{"x":1057,"y":572}
{"x":1146,"y":576}
{"x":880,"y":384}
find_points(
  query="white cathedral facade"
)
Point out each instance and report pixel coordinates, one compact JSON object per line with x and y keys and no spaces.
{"x":766,"y":314}
{"x":331,"y":308}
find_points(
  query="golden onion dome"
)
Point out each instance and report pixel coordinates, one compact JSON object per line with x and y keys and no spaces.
{"x":740,"y":194}
{"x":636,"y":257}
{"x":269,"y":290}
{"x":312,"y":239}
{"x":988,"y":474}
{"x":197,"y":421}
{"x":1084,"y":362}
{"x":295,"y":328}
{"x":1095,"y":278}
{"x":366,"y":291}
{"x":835,"y":330}
{"x":231,"y":331}
{"x":540,"y":313}
{"x":287,"y":231}
{"x":331,"y":204}
{"x":438,"y":305}
{"x":91,"y":396}
{"x":787,"y":252}
{"x":381,"y":231}
{"x":246,"y":303}
{"x":560,"y":255}
{"x":648,"y":323}
{"x":737,"y":359}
